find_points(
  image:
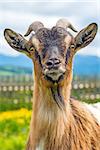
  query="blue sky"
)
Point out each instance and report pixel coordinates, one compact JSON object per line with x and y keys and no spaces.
{"x":18,"y":15}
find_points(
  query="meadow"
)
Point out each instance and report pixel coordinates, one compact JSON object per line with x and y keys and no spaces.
{"x":14,"y":127}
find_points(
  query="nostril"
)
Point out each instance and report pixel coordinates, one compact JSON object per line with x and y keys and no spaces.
{"x":49,"y":63}
{"x":53,"y":63}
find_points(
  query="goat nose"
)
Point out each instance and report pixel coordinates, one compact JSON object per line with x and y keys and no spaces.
{"x":53,"y":62}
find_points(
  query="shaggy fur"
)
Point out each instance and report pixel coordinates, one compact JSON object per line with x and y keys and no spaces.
{"x":74,"y":128}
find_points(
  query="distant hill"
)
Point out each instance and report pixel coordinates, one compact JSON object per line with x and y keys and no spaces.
{"x":18,"y":61}
{"x":15,"y":65}
{"x":83,"y":65}
{"x":87,"y":65}
{"x":14,"y":70}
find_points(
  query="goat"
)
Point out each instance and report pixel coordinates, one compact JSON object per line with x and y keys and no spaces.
{"x":58,"y":122}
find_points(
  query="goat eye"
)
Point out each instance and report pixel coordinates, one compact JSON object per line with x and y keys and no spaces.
{"x":31,"y":49}
{"x":72,"y":46}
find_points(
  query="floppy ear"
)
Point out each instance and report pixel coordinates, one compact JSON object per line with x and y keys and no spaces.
{"x":85,"y":36}
{"x":16,"y":41}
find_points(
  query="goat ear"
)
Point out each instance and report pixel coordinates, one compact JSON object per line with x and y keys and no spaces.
{"x":85,"y":36}
{"x":16,"y":41}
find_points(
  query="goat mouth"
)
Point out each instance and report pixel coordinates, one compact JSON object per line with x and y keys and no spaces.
{"x":54,"y":75}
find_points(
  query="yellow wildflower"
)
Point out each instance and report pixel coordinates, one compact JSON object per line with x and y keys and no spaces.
{"x":22,"y":113}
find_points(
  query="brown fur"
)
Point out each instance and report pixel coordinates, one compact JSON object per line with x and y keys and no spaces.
{"x":71,"y":129}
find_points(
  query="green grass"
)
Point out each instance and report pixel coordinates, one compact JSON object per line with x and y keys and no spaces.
{"x":14,"y":129}
{"x":6,"y":73}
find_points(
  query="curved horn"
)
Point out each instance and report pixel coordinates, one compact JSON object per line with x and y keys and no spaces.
{"x":65,"y":24}
{"x":34,"y":27}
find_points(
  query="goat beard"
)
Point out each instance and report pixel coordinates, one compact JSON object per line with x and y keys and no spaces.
{"x":57,"y":96}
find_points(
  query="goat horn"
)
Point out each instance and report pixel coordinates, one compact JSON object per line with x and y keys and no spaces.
{"x":34,"y":27}
{"x":65,"y":24}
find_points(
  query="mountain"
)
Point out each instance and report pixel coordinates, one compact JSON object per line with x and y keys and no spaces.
{"x":86,"y":65}
{"x":15,"y":65}
{"x":19,"y":61}
{"x":83,"y":65}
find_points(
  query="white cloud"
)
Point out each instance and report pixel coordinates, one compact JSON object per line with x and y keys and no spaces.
{"x":19,"y":15}
{"x":90,"y":50}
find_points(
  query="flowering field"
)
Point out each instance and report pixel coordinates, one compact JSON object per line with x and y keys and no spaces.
{"x":14,"y":127}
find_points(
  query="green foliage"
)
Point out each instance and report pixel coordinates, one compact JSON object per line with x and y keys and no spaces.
{"x":14,"y":127}
{"x":89,"y":101}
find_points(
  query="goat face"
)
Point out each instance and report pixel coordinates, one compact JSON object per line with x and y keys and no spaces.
{"x":51,"y":50}
{"x":52,"y":47}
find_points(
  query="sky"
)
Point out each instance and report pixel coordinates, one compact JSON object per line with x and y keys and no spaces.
{"x":19,"y":14}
